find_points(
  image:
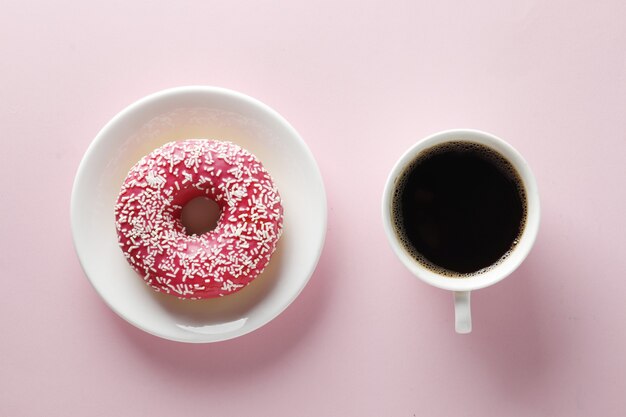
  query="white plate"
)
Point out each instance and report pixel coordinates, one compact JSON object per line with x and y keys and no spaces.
{"x":198,"y":112}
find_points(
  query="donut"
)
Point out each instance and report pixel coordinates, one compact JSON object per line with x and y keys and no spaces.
{"x":214,"y":264}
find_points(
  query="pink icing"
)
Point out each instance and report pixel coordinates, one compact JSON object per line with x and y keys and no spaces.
{"x":216,"y":263}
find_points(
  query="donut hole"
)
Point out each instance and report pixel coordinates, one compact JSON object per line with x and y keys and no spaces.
{"x":200,"y":215}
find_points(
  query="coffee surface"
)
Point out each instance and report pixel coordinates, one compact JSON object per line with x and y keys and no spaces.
{"x":459,"y":208}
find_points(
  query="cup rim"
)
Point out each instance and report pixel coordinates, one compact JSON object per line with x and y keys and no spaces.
{"x":505,"y":266}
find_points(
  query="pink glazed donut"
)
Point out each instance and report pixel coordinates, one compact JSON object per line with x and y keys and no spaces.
{"x":216,"y":263}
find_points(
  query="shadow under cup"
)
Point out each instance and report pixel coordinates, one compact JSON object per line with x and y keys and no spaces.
{"x":461,"y":211}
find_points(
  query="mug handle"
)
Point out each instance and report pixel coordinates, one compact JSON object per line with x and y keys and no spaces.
{"x":462,"y":312}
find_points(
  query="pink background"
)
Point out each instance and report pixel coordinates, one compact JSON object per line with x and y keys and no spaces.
{"x":361,"y":81}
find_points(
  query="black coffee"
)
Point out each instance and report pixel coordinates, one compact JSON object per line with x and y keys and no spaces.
{"x":459,"y":208}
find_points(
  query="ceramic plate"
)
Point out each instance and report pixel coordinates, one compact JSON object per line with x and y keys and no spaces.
{"x":198,"y":112}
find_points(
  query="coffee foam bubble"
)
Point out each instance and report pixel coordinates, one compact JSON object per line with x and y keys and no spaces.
{"x":486,"y":153}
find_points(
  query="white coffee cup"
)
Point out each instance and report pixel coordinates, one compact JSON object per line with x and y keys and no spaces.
{"x":462,"y":287}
